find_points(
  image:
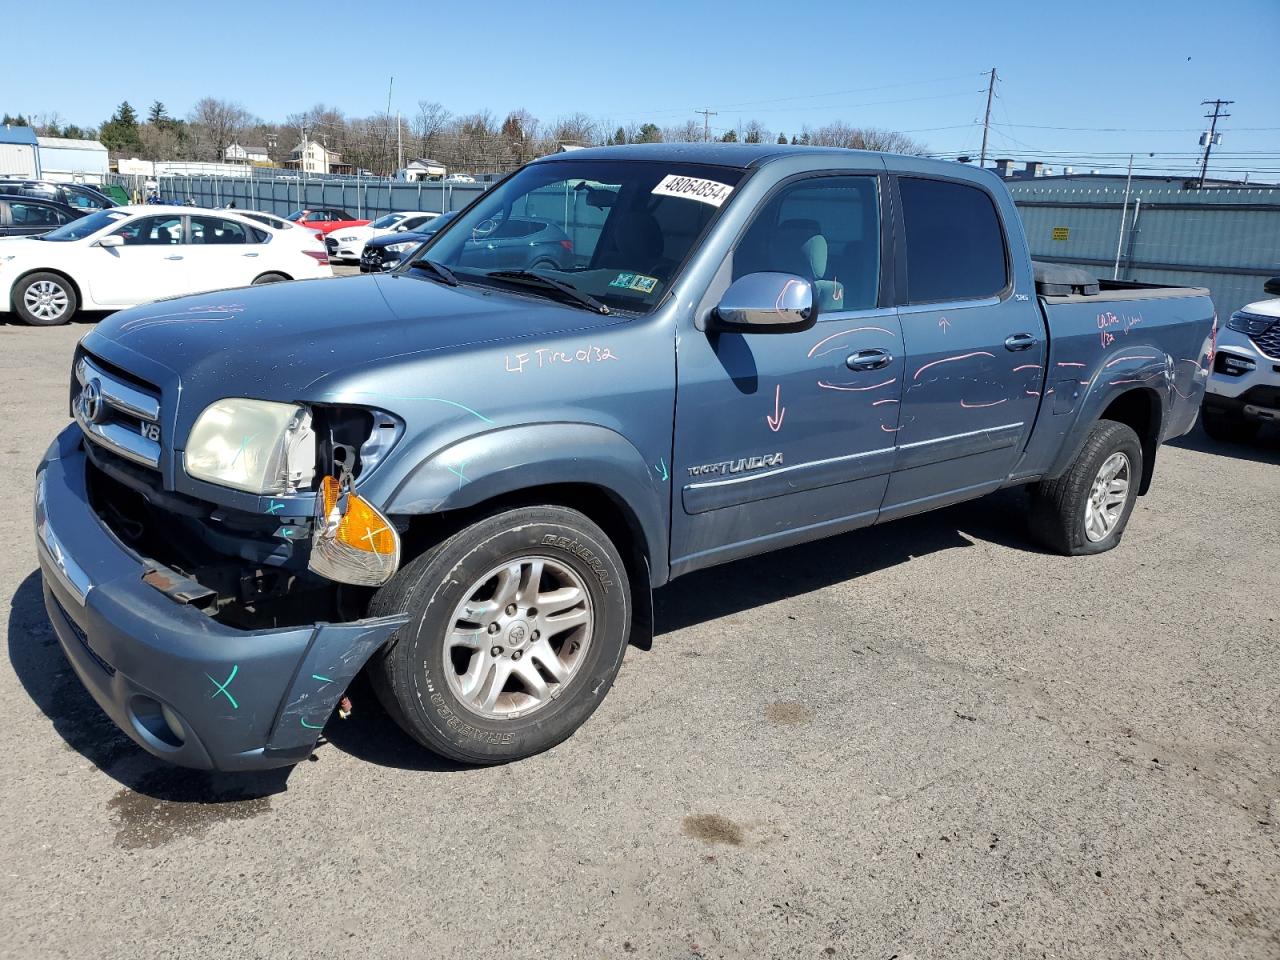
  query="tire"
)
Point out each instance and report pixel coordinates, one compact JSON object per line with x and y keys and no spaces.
{"x":37,"y":300}
{"x":1226,"y":428}
{"x":1061,"y":515}
{"x":269,"y":278}
{"x":447,"y":695}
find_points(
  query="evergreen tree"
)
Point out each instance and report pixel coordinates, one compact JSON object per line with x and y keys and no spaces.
{"x":18,"y":121}
{"x":120,"y":133}
{"x":782,"y":138}
{"x":649,"y":133}
{"x":619,"y":136}
{"x":157,"y":115}
{"x":731,"y":136}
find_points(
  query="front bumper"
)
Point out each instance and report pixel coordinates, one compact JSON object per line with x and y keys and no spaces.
{"x":185,"y":687}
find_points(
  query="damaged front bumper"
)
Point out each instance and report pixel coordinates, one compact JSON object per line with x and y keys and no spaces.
{"x":185,"y":687}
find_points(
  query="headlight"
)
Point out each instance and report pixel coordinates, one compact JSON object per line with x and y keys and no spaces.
{"x":403,"y":247}
{"x":253,"y":445}
{"x":1250,"y":323}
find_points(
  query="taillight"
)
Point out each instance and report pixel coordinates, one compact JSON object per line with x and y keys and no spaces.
{"x":567,"y":244}
{"x":320,"y":256}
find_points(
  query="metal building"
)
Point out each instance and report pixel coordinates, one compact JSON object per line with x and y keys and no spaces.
{"x":1226,"y":238}
{"x":19,"y":155}
{"x":79,"y":161}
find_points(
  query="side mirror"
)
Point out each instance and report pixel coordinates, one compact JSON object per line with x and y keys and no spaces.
{"x":766,"y":303}
{"x":111,"y":240}
{"x":1272,"y":287}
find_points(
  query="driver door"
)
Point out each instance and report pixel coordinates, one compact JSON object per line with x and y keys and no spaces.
{"x":786,"y":437}
{"x":150,"y":264}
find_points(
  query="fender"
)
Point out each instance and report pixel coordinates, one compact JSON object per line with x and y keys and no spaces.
{"x":1141,"y":374}
{"x":511,"y":459}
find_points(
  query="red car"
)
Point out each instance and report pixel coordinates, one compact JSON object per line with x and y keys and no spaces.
{"x":324,"y":219}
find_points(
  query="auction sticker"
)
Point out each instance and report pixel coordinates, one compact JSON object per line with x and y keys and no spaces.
{"x":691,"y":188}
{"x":635,"y":281}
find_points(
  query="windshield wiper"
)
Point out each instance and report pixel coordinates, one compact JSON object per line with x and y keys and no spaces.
{"x":538,"y":280}
{"x":439,"y":269}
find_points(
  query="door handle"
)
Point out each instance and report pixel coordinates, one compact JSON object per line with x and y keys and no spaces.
{"x":868,"y":360}
{"x":248,"y":254}
{"x":1020,"y":341}
{"x":174,"y":257}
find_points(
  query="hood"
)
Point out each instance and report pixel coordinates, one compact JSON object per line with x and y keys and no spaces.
{"x":1263,"y":308}
{"x":406,"y":236}
{"x":272,"y":341}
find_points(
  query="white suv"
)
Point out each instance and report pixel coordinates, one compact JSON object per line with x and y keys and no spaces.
{"x":1244,"y":388}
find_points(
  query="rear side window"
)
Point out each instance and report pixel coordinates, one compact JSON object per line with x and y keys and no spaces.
{"x":210,"y":230}
{"x":955,"y":247}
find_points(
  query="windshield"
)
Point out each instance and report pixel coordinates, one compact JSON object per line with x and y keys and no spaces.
{"x":617,"y":230}
{"x":85,"y":226}
{"x":390,"y":220}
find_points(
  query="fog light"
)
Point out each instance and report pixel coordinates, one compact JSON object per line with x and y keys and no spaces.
{"x":1232,"y":365}
{"x":173,"y":723}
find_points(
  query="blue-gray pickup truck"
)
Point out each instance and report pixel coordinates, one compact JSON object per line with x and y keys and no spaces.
{"x":467,"y":475}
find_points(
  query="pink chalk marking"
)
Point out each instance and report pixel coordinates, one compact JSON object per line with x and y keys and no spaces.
{"x":874,"y":386}
{"x":1032,"y":393}
{"x":963,"y":356}
{"x":1145,"y":356}
{"x":1061,"y":364}
{"x":775,"y":421}
{"x":972,"y":406}
{"x":1027,"y":366}
{"x":842,"y":333}
{"x":878,"y":402}
{"x":782,"y":294}
{"x":889,"y":429}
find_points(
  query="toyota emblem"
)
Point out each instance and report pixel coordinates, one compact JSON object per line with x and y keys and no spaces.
{"x":91,"y":401}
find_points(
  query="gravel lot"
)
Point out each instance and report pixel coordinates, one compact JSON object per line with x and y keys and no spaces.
{"x":922,"y":740}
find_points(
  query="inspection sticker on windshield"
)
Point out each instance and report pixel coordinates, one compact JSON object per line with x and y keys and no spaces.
{"x":635,"y":281}
{"x":691,"y":188}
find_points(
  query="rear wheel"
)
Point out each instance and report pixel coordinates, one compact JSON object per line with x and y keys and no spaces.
{"x":269,"y":278}
{"x":1228,"y":428}
{"x":45,"y":300}
{"x":518,"y":625}
{"x":1086,"y":510}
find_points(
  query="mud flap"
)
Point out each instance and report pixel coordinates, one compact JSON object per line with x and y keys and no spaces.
{"x":335,"y":655}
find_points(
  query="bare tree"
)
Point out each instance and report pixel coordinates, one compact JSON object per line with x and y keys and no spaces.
{"x":578,"y":130}
{"x":841,"y":134}
{"x":216,"y":124}
{"x":429,"y":124}
{"x":753,"y":132}
{"x":691,"y":132}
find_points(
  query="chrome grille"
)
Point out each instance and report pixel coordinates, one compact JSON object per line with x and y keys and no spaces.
{"x":1268,"y":340}
{"x":117,"y":415}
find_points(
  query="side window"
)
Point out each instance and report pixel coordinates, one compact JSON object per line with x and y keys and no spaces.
{"x":955,"y":247}
{"x":82,"y":200}
{"x":151,"y":231}
{"x":35,"y":215}
{"x":211,"y":230}
{"x":825,"y":229}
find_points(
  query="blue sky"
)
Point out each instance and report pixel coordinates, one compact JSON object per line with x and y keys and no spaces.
{"x":1133,"y":73}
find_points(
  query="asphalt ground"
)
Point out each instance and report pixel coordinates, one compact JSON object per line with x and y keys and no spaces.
{"x":926,"y":739}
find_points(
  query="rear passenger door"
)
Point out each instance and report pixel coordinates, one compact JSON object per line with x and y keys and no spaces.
{"x":974,"y":346}
{"x":222,"y":253}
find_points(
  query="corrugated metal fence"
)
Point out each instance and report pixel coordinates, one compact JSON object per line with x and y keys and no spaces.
{"x":1226,"y":239}
{"x":365,"y":198}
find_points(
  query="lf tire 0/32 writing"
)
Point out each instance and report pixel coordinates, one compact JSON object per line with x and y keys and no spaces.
{"x":518,"y":626}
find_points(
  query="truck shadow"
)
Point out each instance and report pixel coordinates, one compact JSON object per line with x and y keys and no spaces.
{"x":1264,"y":449}
{"x":370,"y":735}
{"x":53,"y":686}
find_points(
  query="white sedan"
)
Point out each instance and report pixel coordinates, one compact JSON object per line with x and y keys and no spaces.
{"x":347,"y":243}
{"x":135,"y":254}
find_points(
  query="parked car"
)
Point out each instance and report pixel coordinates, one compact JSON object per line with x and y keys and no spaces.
{"x":130,"y":255}
{"x":1244,"y":389}
{"x":26,"y":216}
{"x":459,"y":178}
{"x":78,"y":195}
{"x":285,"y":230}
{"x":469,"y":476}
{"x":386,"y":252}
{"x":348,"y":243}
{"x":324,"y":220}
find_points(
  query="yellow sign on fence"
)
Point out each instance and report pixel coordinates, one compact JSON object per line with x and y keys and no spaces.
{"x":1061,"y":233}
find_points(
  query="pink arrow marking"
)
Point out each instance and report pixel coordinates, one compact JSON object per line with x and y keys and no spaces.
{"x":963,"y":356}
{"x":779,"y":411}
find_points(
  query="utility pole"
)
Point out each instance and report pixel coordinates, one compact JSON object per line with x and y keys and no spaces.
{"x":399,"y":144}
{"x":1212,"y":137}
{"x":706,"y":122}
{"x":986,"y":119}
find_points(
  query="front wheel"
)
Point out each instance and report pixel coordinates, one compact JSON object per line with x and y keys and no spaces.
{"x":45,"y":300}
{"x":518,"y":625}
{"x":1085,"y":510}
{"x":269,"y":278}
